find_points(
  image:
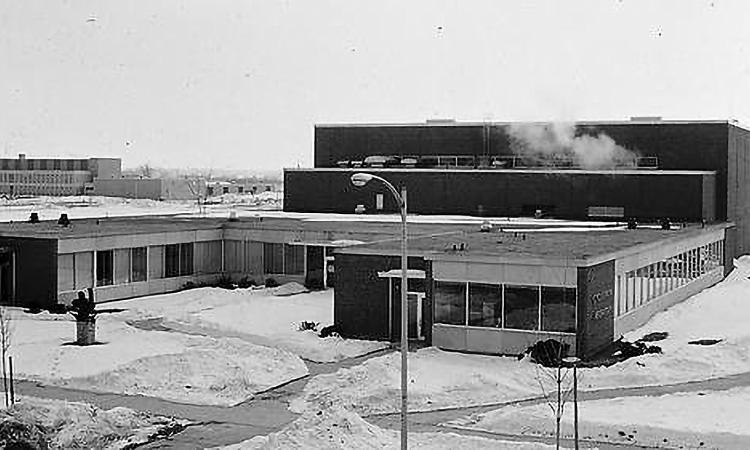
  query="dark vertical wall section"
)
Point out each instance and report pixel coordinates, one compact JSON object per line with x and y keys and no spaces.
{"x":35,"y":271}
{"x":361,"y":297}
{"x":504,"y":193}
{"x":595,"y":318}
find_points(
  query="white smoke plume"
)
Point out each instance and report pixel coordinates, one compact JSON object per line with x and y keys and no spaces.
{"x":553,"y":143}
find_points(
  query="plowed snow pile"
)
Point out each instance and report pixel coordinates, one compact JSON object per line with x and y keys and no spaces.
{"x":74,"y":425}
{"x":336,"y":428}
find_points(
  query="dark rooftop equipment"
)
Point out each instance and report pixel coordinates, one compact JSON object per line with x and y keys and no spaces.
{"x":63,"y":220}
{"x":632,"y":223}
{"x":34,"y":218}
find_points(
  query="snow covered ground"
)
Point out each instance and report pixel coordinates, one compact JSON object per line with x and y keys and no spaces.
{"x":718,"y":419}
{"x":336,"y":428}
{"x":68,"y":425}
{"x":255,"y":315}
{"x":78,"y":207}
{"x":174,"y":366}
{"x":441,"y":379}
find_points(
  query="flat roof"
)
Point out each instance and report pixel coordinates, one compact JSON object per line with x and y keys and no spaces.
{"x":456,"y":123}
{"x":575,"y":245}
{"x":96,"y":227}
{"x":540,"y":171}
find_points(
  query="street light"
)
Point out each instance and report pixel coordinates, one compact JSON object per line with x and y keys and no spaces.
{"x":360,"y":179}
{"x":574,"y":362}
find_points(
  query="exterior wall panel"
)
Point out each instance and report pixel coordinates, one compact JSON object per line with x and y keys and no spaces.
{"x":564,"y":194}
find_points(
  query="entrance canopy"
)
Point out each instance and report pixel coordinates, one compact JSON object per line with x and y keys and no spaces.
{"x":396,"y":273}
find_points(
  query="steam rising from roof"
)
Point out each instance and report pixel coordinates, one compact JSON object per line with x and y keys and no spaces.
{"x":558,"y":141}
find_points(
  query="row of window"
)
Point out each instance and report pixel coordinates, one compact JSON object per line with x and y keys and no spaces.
{"x":534,"y":308}
{"x":45,"y":164}
{"x":126,"y":265}
{"x":283,"y":259}
{"x":130,"y":264}
{"x":36,"y":178}
{"x":640,"y":286}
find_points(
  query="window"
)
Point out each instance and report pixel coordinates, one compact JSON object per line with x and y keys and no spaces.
{"x":171,"y":260}
{"x":485,"y":305}
{"x":558,"y":309}
{"x":122,"y":265}
{"x":273,"y":258}
{"x":294,"y":259}
{"x":450,"y":303}
{"x":104,"y":266}
{"x":522,"y":307}
{"x":138,"y":264}
{"x":186,"y":259}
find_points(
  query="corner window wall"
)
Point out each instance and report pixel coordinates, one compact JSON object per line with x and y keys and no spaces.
{"x":508,"y":306}
{"x":640,"y":286}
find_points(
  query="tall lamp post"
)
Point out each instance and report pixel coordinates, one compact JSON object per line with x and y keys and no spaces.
{"x":572,"y":360}
{"x":360,"y":179}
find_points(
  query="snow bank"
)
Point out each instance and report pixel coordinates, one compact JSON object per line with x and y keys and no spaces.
{"x":80,"y":425}
{"x":718,"y":419}
{"x":437,"y":379}
{"x":337,"y":428}
{"x":289,"y":289}
{"x":255,"y":315}
{"x":175,"y":366}
{"x":217,"y":372}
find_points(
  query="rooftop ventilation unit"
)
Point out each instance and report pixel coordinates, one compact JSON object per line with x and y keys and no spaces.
{"x":645,"y":119}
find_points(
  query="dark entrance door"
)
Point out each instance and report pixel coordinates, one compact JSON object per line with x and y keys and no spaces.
{"x":6,"y":276}
{"x":415,"y":299}
{"x":315,"y":276}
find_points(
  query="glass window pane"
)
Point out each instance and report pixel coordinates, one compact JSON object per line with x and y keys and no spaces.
{"x":104,"y":267}
{"x":485,"y":305}
{"x":522,"y":307}
{"x":273,"y":258}
{"x":171,"y":260}
{"x":186,"y":259}
{"x":294,"y":263}
{"x":450,"y":303}
{"x":138,"y":268}
{"x":558,"y":309}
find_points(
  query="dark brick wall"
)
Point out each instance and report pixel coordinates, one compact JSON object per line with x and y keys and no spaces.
{"x":679,"y":197}
{"x":35,"y":271}
{"x":684,"y":146}
{"x":361,"y":297}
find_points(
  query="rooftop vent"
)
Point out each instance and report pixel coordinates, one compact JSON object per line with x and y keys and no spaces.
{"x":645,"y":119}
{"x":486,"y":226}
{"x":63,"y":220}
{"x":34,"y":218}
{"x":439,"y":121}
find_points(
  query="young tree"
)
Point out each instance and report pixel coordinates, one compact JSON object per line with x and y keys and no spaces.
{"x":6,"y":332}
{"x":552,"y":374}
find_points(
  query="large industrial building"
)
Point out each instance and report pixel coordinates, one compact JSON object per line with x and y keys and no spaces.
{"x":54,"y":176}
{"x":683,"y":170}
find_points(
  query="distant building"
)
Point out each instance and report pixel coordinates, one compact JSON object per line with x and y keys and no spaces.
{"x":54,"y":176}
{"x":152,"y":188}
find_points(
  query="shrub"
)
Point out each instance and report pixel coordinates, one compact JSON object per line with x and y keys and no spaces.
{"x":548,"y":353}
{"x":331,"y":330}
{"x":308,"y":325}
{"x":271,"y":282}
{"x":246,"y":282}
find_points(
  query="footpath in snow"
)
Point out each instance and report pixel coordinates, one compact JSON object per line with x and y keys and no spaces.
{"x":173,"y":366}
{"x":255,"y":315}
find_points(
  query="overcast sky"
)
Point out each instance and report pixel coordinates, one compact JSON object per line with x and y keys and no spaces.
{"x":240,"y":84}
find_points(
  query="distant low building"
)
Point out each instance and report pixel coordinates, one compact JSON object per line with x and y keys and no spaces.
{"x":152,"y":188}
{"x":54,"y":176}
